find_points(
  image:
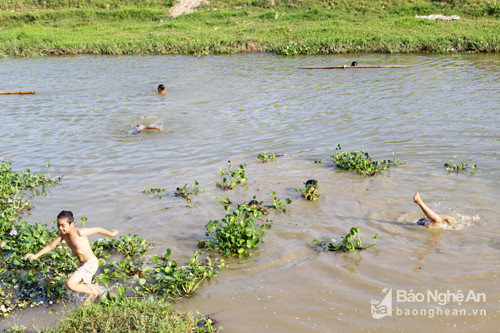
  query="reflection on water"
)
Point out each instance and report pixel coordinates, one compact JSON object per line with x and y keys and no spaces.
{"x":222,"y":108}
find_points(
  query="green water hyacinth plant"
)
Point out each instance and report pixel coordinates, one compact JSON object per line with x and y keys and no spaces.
{"x":459,"y":166}
{"x":126,"y":270}
{"x":131,"y":265}
{"x":13,"y":185}
{"x":231,"y":177}
{"x":155,"y":191}
{"x":187,"y":191}
{"x":235,"y":234}
{"x":165,"y":279}
{"x":22,"y":283}
{"x":359,"y":162}
{"x":128,"y":245}
{"x":265,"y":157}
{"x":221,"y":199}
{"x":278,"y":203}
{"x":395,"y":161}
{"x":32,"y":283}
{"x":169,"y":280}
{"x":348,"y":243}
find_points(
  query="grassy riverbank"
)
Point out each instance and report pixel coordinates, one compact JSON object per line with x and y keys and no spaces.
{"x":31,"y":28}
{"x":130,"y":315}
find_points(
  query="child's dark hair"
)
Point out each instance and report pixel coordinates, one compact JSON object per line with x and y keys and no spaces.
{"x":312,"y":182}
{"x":253,"y":203}
{"x":161,"y":87}
{"x":67,"y":215}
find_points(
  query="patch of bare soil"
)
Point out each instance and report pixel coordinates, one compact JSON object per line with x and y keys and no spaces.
{"x":185,"y":6}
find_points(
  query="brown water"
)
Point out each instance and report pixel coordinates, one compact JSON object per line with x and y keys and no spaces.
{"x":222,"y":108}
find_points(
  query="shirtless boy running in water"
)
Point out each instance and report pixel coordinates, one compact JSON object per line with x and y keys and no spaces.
{"x":433,"y":220}
{"x":81,"y":280}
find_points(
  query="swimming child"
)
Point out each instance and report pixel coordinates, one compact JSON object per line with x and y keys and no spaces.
{"x":139,"y":128}
{"x":81,"y":280}
{"x":311,"y":190}
{"x":432,"y":220}
{"x":161,"y":89}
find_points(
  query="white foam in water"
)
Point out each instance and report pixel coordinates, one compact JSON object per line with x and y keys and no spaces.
{"x":462,"y":221}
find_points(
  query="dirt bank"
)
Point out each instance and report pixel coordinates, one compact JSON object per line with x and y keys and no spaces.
{"x":185,"y":6}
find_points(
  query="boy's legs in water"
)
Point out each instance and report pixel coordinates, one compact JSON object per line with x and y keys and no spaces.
{"x":75,"y":283}
{"x":431,"y":215}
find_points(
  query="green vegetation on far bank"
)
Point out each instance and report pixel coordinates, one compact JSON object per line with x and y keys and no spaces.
{"x":31,"y":28}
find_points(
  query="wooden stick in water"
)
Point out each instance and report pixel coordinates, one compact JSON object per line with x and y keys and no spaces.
{"x":17,"y":92}
{"x":357,"y":66}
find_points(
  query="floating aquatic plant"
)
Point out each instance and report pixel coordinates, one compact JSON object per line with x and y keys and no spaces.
{"x":231,"y":177}
{"x":155,"y":191}
{"x":221,"y":199}
{"x":22,"y":283}
{"x":127,"y":245}
{"x":169,"y":280}
{"x":165,"y":279}
{"x":265,"y":157}
{"x":395,"y":161}
{"x":348,"y":243}
{"x":187,"y":191}
{"x":360,"y":162}
{"x":459,"y":166}
{"x":235,"y":234}
{"x":278,"y":203}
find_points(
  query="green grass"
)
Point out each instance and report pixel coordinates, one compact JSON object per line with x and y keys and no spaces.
{"x":231,"y":27}
{"x":22,"y":5}
{"x":128,"y":315}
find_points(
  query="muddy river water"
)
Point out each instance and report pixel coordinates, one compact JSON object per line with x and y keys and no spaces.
{"x":235,"y":107}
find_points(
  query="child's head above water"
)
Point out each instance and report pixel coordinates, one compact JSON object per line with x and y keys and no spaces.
{"x":312,"y":182}
{"x":253,"y":203}
{"x":161,"y":89}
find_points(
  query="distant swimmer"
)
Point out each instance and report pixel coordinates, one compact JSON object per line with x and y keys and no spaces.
{"x":139,"y":128}
{"x":254,"y":204}
{"x":432,"y":220}
{"x":161,"y":89}
{"x":353,"y":64}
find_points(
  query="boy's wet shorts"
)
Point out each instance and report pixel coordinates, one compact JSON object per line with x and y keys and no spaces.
{"x":88,"y":269}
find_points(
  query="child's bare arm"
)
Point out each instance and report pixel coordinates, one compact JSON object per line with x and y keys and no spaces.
{"x":45,"y":249}
{"x":98,"y":230}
